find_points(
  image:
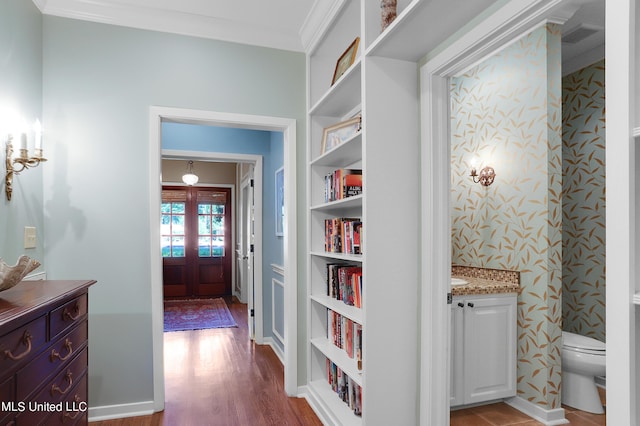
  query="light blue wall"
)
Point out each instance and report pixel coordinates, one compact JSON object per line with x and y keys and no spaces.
{"x":99,"y":82}
{"x":20,"y":94}
{"x":242,"y":141}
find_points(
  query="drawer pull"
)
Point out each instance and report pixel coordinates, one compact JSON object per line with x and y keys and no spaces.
{"x":55,"y":354}
{"x":26,"y":340}
{"x":55,"y":388}
{"x":73,"y":315}
{"x":73,"y":416}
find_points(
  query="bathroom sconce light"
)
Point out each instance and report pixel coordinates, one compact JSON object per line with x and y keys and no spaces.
{"x":190,"y":178}
{"x":486,"y":176}
{"x":16,"y":165}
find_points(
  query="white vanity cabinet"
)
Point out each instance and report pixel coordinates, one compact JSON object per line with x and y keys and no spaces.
{"x":483,"y":348}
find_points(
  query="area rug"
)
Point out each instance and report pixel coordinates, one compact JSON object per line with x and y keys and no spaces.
{"x":197,"y":314}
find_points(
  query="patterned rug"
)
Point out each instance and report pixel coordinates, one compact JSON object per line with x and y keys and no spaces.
{"x":197,"y":314}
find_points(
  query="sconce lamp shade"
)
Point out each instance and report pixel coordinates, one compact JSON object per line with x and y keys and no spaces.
{"x":190,"y":178}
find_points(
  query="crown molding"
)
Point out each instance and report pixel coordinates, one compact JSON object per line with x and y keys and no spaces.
{"x":156,"y":19}
{"x":318,"y":22}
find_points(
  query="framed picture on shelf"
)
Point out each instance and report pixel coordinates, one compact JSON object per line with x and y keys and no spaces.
{"x":346,"y":60}
{"x":340,"y":132}
{"x":280,"y":202}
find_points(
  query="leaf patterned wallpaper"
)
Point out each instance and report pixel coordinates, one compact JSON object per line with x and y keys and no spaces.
{"x":507,"y":113}
{"x":583,"y":202}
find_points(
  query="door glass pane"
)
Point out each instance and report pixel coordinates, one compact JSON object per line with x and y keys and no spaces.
{"x":172,"y":229}
{"x":166,"y":246}
{"x":204,"y":246}
{"x":177,"y":247}
{"x":204,"y":225}
{"x":210,"y":230}
{"x":217,"y":225}
{"x":177,"y":208}
{"x":218,"y":246}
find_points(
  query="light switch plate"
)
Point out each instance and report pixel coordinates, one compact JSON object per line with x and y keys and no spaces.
{"x":30,"y":240}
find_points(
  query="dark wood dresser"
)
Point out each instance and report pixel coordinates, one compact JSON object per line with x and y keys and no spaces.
{"x":43,"y":353}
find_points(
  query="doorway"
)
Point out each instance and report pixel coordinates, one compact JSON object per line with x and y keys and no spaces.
{"x":196,"y":241}
{"x":288,"y":128}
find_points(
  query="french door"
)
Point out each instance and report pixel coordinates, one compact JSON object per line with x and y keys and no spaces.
{"x":196,"y":241}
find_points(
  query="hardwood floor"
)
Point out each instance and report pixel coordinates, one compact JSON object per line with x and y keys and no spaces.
{"x":219,"y":377}
{"x":501,"y":414}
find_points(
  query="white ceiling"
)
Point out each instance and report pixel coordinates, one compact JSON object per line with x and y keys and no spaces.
{"x":282,"y":24}
{"x":267,"y":23}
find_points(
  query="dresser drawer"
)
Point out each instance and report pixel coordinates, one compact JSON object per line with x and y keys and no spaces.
{"x":51,"y":361}
{"x":74,"y":407}
{"x":66,"y":412}
{"x":7,"y":397}
{"x":61,"y":385}
{"x":6,"y":391}
{"x":67,"y":315}
{"x":22,"y":343}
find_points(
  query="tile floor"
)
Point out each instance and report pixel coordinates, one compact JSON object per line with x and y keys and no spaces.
{"x":501,"y":414}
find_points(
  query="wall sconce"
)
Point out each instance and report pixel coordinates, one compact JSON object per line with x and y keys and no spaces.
{"x":485,"y":178}
{"x":190,"y":178}
{"x":16,"y":165}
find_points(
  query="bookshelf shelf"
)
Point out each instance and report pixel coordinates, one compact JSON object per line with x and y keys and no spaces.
{"x":345,"y":203}
{"x":636,"y":299}
{"x":636,"y":133}
{"x":339,"y":357}
{"x":339,"y":410}
{"x":355,"y":258}
{"x":345,"y":154}
{"x":339,"y":97}
{"x":351,"y":312}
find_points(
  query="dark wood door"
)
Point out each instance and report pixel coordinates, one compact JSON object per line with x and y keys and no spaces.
{"x":196,"y":241}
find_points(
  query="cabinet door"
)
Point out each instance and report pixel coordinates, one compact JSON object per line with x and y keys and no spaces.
{"x":456,"y":346}
{"x":490,"y":348}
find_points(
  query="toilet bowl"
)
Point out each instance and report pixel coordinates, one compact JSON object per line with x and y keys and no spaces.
{"x":583,"y":358}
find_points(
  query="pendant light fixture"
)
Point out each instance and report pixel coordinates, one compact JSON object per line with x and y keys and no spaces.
{"x":190,"y":178}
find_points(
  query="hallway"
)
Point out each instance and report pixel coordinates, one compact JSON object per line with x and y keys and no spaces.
{"x":219,"y":377}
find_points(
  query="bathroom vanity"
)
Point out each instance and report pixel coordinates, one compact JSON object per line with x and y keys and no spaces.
{"x":483,"y":341}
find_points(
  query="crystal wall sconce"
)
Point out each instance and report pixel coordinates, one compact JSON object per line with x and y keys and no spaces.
{"x":485,"y":178}
{"x":23,"y":161}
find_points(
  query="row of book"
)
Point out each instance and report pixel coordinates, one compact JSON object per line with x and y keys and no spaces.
{"x":348,"y":390}
{"x":342,"y":183}
{"x":346,"y":334}
{"x":344,"y":282}
{"x":343,"y":235}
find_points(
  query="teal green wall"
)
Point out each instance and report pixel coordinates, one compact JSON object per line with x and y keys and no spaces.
{"x":506,"y":112}
{"x":99,"y":82}
{"x":583,"y":202}
{"x":20,"y":96}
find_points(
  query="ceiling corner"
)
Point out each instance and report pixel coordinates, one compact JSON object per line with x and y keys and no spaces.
{"x":318,"y":21}
{"x":40,"y":4}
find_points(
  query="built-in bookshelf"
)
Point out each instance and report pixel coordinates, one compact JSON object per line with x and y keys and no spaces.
{"x":377,"y":221}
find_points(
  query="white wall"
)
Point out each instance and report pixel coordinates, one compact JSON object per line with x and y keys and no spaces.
{"x":99,"y":82}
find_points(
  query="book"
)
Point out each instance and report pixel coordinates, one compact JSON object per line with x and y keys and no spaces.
{"x":342,"y":183}
{"x":343,"y":235}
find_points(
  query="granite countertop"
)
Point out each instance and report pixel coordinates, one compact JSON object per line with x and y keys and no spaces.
{"x":483,"y":286}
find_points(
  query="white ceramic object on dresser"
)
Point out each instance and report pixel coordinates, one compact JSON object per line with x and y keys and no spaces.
{"x":583,"y":358}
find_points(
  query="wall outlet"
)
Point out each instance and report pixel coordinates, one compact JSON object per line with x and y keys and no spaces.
{"x":30,"y":240}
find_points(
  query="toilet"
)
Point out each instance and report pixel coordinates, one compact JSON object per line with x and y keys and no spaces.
{"x":583,"y":358}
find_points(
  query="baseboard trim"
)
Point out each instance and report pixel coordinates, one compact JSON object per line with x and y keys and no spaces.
{"x":316,"y":405}
{"x":279,"y":353}
{"x":547,"y":417}
{"x":109,"y":412}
